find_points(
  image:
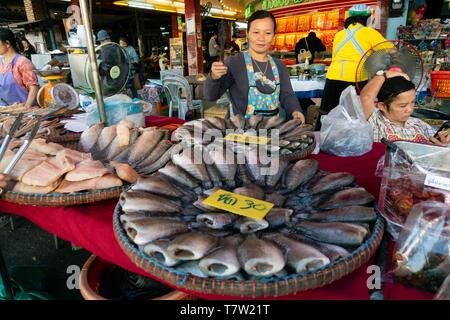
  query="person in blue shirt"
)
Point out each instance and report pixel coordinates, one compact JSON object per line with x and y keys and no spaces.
{"x":134,"y":60}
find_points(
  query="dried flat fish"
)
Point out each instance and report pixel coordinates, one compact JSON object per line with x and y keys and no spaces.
{"x":300,"y":173}
{"x":347,"y":197}
{"x":332,"y":181}
{"x":156,"y":185}
{"x":147,"y":230}
{"x":223,"y":261}
{"x":216,"y":220}
{"x":191,"y":246}
{"x":125,"y":172}
{"x":90,"y":136}
{"x":144,"y":145}
{"x":139,"y":201}
{"x":158,"y":251}
{"x":86,"y":169}
{"x":157,"y":153}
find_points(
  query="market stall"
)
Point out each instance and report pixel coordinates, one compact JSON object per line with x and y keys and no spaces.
{"x":90,"y":226}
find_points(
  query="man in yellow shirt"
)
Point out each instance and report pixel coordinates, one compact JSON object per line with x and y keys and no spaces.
{"x":349,"y":46}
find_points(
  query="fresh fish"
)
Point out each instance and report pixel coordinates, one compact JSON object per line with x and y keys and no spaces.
{"x":144,"y":145}
{"x":223,"y":261}
{"x":217,"y":122}
{"x":344,"y":214}
{"x":186,"y":160}
{"x":254,"y":121}
{"x":156,"y":185}
{"x":254,"y":166}
{"x":158,"y":251}
{"x":331,"y":182}
{"x":276,"y":198}
{"x":301,"y":257}
{"x":272,"y":180}
{"x":251,"y":190}
{"x":205,"y":208}
{"x":173,"y":150}
{"x":339,"y":233}
{"x":300,"y":173}
{"x":347,"y":197}
{"x":216,"y":220}
{"x":332,"y":251}
{"x":260,"y":257}
{"x":138,"y":201}
{"x":224,"y":161}
{"x":159,"y":150}
{"x":104,"y":140}
{"x":147,"y":230}
{"x":179,"y":175}
{"x":278,"y":217}
{"x":289,"y":126}
{"x":272,"y":122}
{"x":297,"y":131}
{"x":191,"y":246}
{"x":90,"y":136}
{"x":125,"y":172}
{"x":242,"y":174}
{"x":238,"y":121}
{"x":247,"y":225}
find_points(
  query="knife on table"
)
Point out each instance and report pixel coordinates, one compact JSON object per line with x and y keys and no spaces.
{"x":10,"y":135}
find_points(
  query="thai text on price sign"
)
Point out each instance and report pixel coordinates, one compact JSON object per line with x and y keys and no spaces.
{"x":239,"y":204}
{"x":244,"y":138}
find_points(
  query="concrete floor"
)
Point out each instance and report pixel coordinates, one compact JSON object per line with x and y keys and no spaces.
{"x":30,"y":246}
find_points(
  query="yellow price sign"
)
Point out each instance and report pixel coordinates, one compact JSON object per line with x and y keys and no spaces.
{"x":239,"y":204}
{"x":244,"y":138}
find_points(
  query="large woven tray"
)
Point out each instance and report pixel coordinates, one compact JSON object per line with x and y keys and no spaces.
{"x":271,"y":287}
{"x":61,"y":199}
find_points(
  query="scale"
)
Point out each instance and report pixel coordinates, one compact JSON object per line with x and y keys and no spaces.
{"x":56,"y":93}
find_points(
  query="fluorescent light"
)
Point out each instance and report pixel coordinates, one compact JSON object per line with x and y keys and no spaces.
{"x":180,"y":11}
{"x":178,"y":4}
{"x":163,"y":1}
{"x":220,"y":11}
{"x":140,"y":5}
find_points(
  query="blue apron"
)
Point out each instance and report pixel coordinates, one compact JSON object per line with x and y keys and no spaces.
{"x":259,"y":102}
{"x":10,"y":91}
{"x":350,"y":37}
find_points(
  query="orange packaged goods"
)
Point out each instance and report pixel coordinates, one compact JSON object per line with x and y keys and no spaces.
{"x":440,"y":81}
{"x":332,"y":21}
{"x":291,"y":24}
{"x":280,"y":41}
{"x":303,"y":23}
{"x":281,"y":25}
{"x":290,"y":41}
{"x":318,"y":21}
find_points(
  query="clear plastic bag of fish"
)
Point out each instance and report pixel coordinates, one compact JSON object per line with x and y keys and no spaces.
{"x":410,"y":176}
{"x":345,"y":131}
{"x":421,"y":256}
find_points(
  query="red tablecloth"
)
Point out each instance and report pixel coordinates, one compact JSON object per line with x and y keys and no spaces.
{"x":90,"y":226}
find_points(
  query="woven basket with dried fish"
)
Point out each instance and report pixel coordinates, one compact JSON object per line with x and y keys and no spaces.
{"x":49,"y":174}
{"x":145,"y":149}
{"x":294,"y":140}
{"x":48,"y":128}
{"x":321,"y":228}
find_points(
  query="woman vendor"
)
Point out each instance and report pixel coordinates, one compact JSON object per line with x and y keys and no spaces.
{"x":258,"y":83}
{"x":18,"y":82}
{"x":390,"y":118}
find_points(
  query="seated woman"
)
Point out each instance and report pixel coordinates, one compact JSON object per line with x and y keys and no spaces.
{"x":391,"y":118}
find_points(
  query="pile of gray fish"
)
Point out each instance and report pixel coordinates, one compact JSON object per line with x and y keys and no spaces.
{"x":317,"y":218}
{"x":144,"y":149}
{"x":292,"y":135}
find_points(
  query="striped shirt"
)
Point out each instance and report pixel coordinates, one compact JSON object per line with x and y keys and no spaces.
{"x":382,"y":128}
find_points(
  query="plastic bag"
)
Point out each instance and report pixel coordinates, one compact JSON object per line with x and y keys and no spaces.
{"x":405,"y":184}
{"x":345,"y":131}
{"x":421,"y":256}
{"x":117,"y":108}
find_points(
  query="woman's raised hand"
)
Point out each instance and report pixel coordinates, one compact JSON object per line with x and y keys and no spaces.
{"x":218,"y":70}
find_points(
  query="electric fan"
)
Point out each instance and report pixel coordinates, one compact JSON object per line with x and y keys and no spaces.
{"x":390,"y":55}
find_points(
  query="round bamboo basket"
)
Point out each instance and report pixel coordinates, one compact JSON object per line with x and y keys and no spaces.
{"x":90,"y":282}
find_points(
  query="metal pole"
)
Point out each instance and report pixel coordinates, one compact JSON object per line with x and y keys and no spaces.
{"x":93,"y":60}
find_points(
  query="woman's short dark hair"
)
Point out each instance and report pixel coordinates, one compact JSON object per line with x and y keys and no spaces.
{"x":354,"y":20}
{"x":392,"y":87}
{"x":124,"y":39}
{"x":7,"y":35}
{"x":261,"y":14}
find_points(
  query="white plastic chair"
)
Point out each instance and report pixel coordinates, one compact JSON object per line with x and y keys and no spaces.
{"x":178,"y":93}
